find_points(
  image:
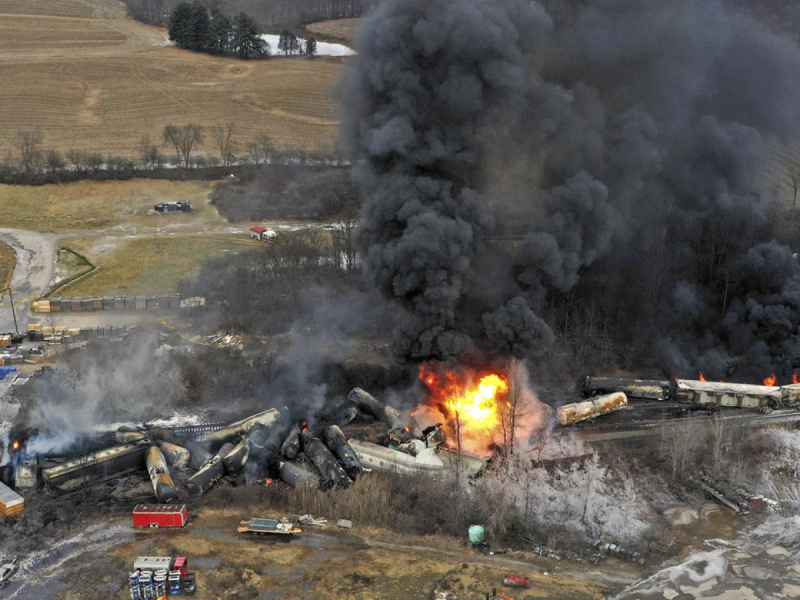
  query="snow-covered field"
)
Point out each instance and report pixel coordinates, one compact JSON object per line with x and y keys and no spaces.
{"x":323,"y":48}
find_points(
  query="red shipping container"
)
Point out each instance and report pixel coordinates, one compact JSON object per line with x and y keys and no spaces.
{"x":160,"y":515}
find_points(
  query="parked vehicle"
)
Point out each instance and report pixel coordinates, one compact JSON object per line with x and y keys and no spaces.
{"x":189,"y":586}
{"x":174,"y":583}
{"x":160,"y":515}
{"x":156,"y":577}
{"x":180,"y":206}
{"x":262,"y":234}
{"x":8,"y":566}
{"x":181,"y":565}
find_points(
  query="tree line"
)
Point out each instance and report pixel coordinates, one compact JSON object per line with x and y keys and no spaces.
{"x":179,"y":146}
{"x":192,"y":27}
{"x":268,"y":14}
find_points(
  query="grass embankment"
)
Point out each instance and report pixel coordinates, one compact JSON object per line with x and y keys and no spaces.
{"x":71,"y":265}
{"x":8,"y":262}
{"x":87,"y":205}
{"x":339,"y":30}
{"x":99,"y":84}
{"x":148,"y":265}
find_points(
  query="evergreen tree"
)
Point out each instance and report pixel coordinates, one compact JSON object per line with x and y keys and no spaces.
{"x":220,"y":33}
{"x":311,"y":47}
{"x":189,"y":26}
{"x":287,"y":43}
{"x":180,"y":24}
{"x":199,"y":27}
{"x":294,"y":45}
{"x":247,"y":42}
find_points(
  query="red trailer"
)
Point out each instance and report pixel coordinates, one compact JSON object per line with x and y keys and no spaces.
{"x":160,"y":515}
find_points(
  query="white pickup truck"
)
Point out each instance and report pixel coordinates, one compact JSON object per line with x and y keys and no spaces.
{"x":8,"y":566}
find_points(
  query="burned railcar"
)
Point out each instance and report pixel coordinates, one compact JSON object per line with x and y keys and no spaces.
{"x":591,"y":409}
{"x":643,"y":389}
{"x":714,"y":394}
{"x":97,"y":466}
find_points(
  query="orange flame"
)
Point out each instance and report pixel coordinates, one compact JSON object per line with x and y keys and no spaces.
{"x":795,"y":379}
{"x":702,"y":377}
{"x":15,"y":445}
{"x":771,"y":380}
{"x":468,"y":398}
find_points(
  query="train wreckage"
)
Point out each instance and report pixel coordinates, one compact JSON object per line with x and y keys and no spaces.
{"x":708,"y":394}
{"x":266,"y":446}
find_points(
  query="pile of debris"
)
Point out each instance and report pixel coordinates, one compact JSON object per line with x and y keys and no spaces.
{"x":260,"y":448}
{"x":225,"y":339}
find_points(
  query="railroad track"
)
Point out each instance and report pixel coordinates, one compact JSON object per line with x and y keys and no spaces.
{"x":654,"y":428}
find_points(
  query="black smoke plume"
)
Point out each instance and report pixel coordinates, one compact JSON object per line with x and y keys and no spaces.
{"x":527,"y":165}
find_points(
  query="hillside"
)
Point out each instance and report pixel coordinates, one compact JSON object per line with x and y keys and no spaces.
{"x":93,"y":79}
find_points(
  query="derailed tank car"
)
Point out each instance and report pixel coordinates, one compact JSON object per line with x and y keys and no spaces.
{"x":645,"y":389}
{"x":590,"y":409}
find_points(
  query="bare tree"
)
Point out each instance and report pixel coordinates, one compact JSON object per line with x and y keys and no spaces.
{"x":542,"y":439}
{"x":254,"y":152}
{"x":95,"y":161}
{"x":517,"y":406}
{"x":54,"y":161}
{"x":223,"y":137}
{"x":183,"y":139}
{"x":266,"y":146}
{"x":149,"y":154}
{"x":680,"y":441}
{"x":30,"y":149}
{"x":78,"y":160}
{"x":717,"y":439}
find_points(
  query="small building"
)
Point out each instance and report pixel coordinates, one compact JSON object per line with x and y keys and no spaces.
{"x":11,"y":503}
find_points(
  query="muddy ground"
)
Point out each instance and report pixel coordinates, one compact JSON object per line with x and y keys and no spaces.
{"x":319,"y":563}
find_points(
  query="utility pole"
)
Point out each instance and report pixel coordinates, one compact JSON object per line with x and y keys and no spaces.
{"x":13,"y":312}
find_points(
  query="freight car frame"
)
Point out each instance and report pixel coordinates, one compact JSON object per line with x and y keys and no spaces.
{"x":709,"y":394}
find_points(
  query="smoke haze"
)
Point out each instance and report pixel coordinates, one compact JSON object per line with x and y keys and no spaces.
{"x":606,"y":155}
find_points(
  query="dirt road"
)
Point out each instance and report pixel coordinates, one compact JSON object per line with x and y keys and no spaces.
{"x":36,"y":259}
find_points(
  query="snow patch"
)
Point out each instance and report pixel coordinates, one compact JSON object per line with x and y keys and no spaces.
{"x":323,"y":48}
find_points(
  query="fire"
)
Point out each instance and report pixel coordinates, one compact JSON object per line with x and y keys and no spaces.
{"x":795,"y":379}
{"x":703,"y":377}
{"x":771,"y":380}
{"x":471,"y":399}
{"x":15,"y":445}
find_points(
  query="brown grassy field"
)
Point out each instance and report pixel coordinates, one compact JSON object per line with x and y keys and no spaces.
{"x":148,"y":265}
{"x":8,"y":261}
{"x":339,"y":30}
{"x":101,"y":84}
{"x":88,"y":205}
